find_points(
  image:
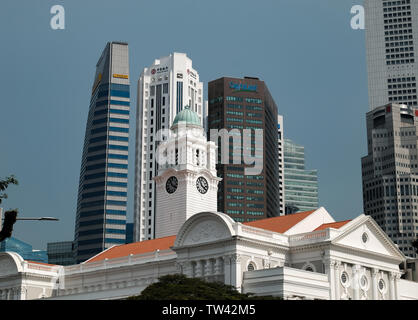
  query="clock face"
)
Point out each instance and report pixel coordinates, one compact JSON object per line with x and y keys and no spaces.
{"x":202,"y":185}
{"x":171,"y":185}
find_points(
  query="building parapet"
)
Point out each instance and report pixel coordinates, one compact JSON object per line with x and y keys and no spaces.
{"x":158,"y":255}
{"x":312,"y":237}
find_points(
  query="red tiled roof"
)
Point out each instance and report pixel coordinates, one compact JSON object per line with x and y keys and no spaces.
{"x":280,"y":224}
{"x":335,"y":225}
{"x":135,"y":248}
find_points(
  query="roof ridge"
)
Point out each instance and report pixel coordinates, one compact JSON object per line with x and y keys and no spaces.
{"x":284,"y":216}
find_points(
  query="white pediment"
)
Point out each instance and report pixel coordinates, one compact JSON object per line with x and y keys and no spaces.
{"x":205,"y":227}
{"x":367,"y":236}
{"x":206,"y":231}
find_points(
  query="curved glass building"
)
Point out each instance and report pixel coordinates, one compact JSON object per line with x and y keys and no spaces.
{"x":102,"y":194}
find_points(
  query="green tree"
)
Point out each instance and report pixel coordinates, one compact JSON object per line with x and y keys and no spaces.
{"x":4,"y":184}
{"x":180,"y":287}
{"x":6,"y":227}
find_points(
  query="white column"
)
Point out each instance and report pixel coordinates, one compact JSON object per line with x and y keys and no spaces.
{"x":236,"y":274}
{"x":208,"y":267}
{"x":227,"y":270}
{"x":356,"y":281}
{"x":218,"y":266}
{"x":22,"y":293}
{"x":337,"y":280}
{"x":397,"y":277}
{"x":392,"y":280}
{"x":375,"y":272}
{"x":329,"y":269}
{"x":199,"y":269}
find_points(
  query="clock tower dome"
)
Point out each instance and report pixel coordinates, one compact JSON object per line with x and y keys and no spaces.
{"x":186,"y":183}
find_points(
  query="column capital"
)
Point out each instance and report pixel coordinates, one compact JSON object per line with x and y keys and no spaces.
{"x":227,"y":260}
{"x":394,"y":275}
{"x":235,"y":258}
{"x":356,"y":268}
{"x":375,"y":271}
{"x":334,"y":263}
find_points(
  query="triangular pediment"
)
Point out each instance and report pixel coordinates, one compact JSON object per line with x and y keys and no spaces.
{"x":364,"y":234}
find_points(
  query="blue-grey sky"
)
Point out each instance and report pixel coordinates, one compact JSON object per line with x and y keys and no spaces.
{"x":305,"y":50}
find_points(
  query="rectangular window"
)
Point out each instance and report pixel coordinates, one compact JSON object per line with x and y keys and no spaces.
{"x":179,"y":96}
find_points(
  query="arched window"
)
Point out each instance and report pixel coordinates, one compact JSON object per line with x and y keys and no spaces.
{"x":197,"y":157}
{"x":309,"y":267}
{"x":251,"y":266}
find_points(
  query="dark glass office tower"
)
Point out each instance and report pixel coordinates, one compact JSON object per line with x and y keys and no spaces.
{"x":102,"y":195}
{"x":246,"y":103}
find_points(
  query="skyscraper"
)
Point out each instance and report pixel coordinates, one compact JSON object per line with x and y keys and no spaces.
{"x":390,"y":173}
{"x":300,"y":184}
{"x":61,"y":253}
{"x":102,"y":194}
{"x":164,"y":89}
{"x":24,"y":249}
{"x":280,"y":136}
{"x":391,"y":40}
{"x":237,"y":104}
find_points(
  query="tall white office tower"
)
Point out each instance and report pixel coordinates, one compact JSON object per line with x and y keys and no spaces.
{"x":164,"y":89}
{"x":391,"y":40}
{"x":187,"y":182}
{"x":280,"y":135}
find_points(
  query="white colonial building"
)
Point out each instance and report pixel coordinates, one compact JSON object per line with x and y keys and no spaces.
{"x":306,"y":255}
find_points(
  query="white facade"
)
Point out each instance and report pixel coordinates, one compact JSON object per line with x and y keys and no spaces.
{"x":189,"y":157}
{"x":353,"y":261}
{"x":391,"y":33}
{"x":164,"y":89}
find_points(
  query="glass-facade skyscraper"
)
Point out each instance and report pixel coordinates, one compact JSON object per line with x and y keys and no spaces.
{"x":300,"y":184}
{"x":102,"y":194}
{"x":61,"y":253}
{"x":24,"y":249}
{"x":238,"y":104}
{"x":280,"y":137}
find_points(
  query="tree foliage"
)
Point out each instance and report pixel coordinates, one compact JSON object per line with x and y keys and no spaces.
{"x":4,"y":184}
{"x":180,"y":287}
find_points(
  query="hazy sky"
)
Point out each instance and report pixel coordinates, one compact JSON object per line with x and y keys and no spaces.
{"x":305,"y":50}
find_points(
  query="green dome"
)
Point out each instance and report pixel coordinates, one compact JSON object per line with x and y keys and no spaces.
{"x":188,"y":116}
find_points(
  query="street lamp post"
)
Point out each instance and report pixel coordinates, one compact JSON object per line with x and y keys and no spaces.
{"x":6,"y":227}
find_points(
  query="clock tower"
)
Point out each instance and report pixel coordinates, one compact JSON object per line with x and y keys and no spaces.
{"x":186,"y":183}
